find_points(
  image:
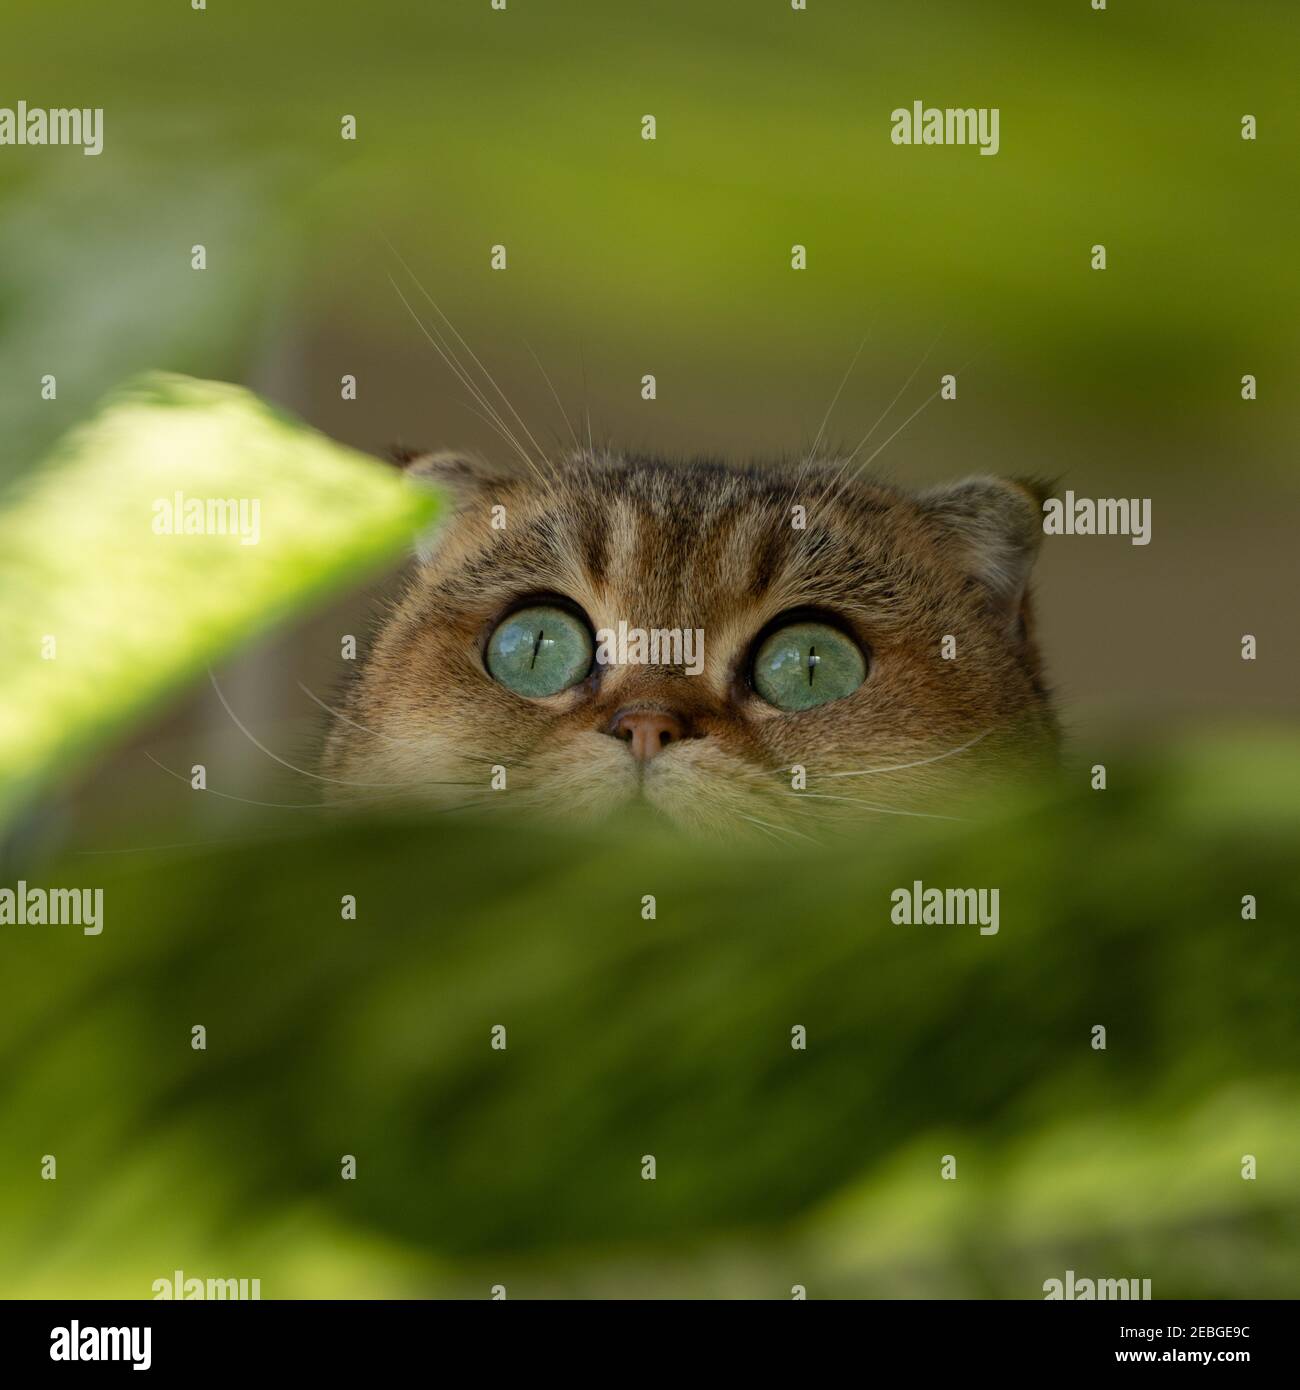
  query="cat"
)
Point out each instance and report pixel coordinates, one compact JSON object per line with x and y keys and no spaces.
{"x":865,"y":651}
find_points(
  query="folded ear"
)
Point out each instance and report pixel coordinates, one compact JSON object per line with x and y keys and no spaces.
{"x":466,"y":479}
{"x":469,"y":484}
{"x":994,"y":527}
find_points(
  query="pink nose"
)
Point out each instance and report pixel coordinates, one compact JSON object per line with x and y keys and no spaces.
{"x":648,"y":732}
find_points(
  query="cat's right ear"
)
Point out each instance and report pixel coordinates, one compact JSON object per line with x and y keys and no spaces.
{"x":468,"y":484}
{"x":464,"y":479}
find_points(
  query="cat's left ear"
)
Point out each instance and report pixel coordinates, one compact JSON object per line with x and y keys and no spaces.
{"x":995,"y":526}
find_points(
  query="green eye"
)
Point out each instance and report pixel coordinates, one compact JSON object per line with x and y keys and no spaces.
{"x":807,"y":664}
{"x":539,"y":651}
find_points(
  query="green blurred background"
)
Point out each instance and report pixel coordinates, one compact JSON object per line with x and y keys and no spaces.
{"x":522,"y":127}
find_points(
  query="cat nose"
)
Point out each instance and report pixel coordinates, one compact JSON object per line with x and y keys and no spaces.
{"x":647,"y":732}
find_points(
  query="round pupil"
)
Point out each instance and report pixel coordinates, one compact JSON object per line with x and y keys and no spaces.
{"x":807,"y":664}
{"x":539,"y":651}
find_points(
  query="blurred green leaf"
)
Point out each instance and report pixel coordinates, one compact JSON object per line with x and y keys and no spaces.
{"x":626,"y":1037}
{"x":131,"y":613}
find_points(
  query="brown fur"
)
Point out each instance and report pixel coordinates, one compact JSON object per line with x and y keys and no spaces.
{"x":703,"y":545}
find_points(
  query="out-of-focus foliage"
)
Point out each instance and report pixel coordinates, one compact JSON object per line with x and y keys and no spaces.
{"x":672,"y":1037}
{"x":100,"y":611}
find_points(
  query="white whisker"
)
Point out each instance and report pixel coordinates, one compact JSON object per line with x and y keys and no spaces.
{"x":922,"y":762}
{"x":880,"y":448}
{"x":838,"y":476}
{"x":560,"y":404}
{"x":781,"y":829}
{"x":275,"y":757}
{"x":374,"y":733}
{"x":821,"y":430}
{"x":473,"y":355}
{"x":465,"y":380}
{"x":884,"y":810}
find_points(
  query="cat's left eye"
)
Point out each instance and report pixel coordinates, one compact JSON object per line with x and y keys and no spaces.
{"x":540,"y":651}
{"x":806,"y":664}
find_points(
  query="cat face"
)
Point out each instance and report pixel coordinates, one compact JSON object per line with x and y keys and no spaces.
{"x":690,"y":636}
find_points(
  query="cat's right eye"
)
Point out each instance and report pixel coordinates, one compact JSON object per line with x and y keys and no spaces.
{"x":540,"y":651}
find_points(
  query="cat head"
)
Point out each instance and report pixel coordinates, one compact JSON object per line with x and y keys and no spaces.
{"x":781,"y":647}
